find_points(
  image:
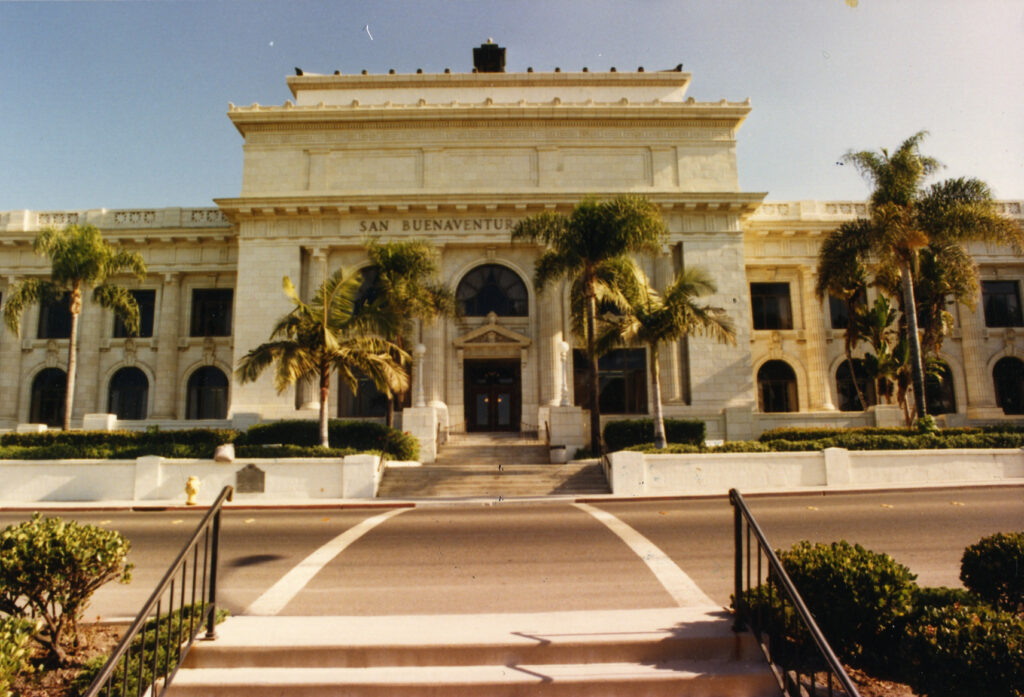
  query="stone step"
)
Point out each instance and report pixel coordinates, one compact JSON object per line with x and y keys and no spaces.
{"x":665,"y":651}
{"x":489,"y":480}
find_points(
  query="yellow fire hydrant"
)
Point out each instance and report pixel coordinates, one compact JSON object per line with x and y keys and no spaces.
{"x":191,"y":489}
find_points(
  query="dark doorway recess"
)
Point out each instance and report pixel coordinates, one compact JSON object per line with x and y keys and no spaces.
{"x":493,"y":395}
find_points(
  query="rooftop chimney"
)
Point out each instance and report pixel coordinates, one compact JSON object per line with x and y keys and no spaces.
{"x":489,"y":58}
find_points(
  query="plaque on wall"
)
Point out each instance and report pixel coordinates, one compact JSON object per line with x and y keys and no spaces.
{"x":250,"y":480}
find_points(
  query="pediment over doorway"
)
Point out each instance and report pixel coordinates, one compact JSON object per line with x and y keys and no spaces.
{"x":492,"y":334}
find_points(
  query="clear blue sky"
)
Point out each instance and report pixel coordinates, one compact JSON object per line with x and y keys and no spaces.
{"x":122,"y":104}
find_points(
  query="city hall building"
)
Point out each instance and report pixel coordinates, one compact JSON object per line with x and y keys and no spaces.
{"x":458,"y":159}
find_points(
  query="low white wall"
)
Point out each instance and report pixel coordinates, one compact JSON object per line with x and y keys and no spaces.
{"x":163,"y":479}
{"x":639,"y":474}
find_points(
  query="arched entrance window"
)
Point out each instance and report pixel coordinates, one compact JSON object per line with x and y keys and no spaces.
{"x":846,"y":391}
{"x":492,"y":288}
{"x":128,"y":395}
{"x":48,"y":391}
{"x":940,"y":397}
{"x":1008,"y":375}
{"x":207,"y":396}
{"x":776,"y":387}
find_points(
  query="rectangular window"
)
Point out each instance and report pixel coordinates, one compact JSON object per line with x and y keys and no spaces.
{"x":146,"y":300}
{"x":55,"y":319}
{"x":211,"y":311}
{"x":1002,"y":303}
{"x":769,"y":303}
{"x":837,"y":310}
{"x":622,"y":381}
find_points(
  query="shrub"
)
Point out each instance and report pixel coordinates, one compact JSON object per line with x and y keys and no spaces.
{"x":288,"y":450}
{"x":994,"y":569}
{"x":857,"y":597}
{"x":360,"y":436}
{"x":619,"y":435}
{"x":732,"y":446}
{"x":15,"y":635}
{"x":122,"y":445}
{"x":165,"y":662}
{"x":962,"y":651}
{"x":50,"y":568}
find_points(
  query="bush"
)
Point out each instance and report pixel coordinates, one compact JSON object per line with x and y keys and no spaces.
{"x":360,"y":436}
{"x":994,"y":569}
{"x":619,"y":435}
{"x":147,"y":638}
{"x":857,"y":597}
{"x":287,"y":450}
{"x":118,"y":445}
{"x":15,"y":635}
{"x":732,"y":446}
{"x":50,"y":568}
{"x":962,"y":651}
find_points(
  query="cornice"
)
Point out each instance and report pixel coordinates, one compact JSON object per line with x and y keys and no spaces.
{"x":361,"y":205}
{"x":257,"y":118}
{"x":307,"y":81}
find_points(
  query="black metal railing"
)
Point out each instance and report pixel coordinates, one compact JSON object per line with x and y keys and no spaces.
{"x":766,"y":601}
{"x":183,"y":604}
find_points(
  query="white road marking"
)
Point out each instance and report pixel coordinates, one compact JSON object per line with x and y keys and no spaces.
{"x":680,"y":586}
{"x":275,"y":598}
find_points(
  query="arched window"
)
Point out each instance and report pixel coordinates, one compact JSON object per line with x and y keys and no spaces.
{"x":128,"y":395}
{"x":938,"y":388}
{"x":846,"y":391}
{"x":48,"y":391}
{"x":492,"y":288}
{"x":776,"y":387}
{"x":1008,"y":375}
{"x":207,"y":394}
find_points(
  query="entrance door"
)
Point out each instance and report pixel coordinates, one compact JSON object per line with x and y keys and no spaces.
{"x":493,"y":395}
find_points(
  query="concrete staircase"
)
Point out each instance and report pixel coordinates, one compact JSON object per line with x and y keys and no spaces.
{"x":672,"y":651}
{"x":491,"y":465}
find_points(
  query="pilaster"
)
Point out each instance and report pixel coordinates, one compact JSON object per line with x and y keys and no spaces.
{"x":168,"y":325}
{"x":981,"y":395}
{"x":818,"y":379}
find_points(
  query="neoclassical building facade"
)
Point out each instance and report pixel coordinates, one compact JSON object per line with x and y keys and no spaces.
{"x":457,"y":159}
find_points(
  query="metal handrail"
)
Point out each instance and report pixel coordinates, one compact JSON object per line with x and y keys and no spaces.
{"x":764,"y":579}
{"x":129,"y":661}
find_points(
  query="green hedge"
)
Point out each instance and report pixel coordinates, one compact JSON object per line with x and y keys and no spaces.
{"x":15,"y":637}
{"x":165,"y":661}
{"x":994,"y":569}
{"x":122,"y":445}
{"x":288,"y":450}
{"x":361,"y":436}
{"x":964,"y":651}
{"x":807,"y":440}
{"x":619,"y":435}
{"x":298,"y":438}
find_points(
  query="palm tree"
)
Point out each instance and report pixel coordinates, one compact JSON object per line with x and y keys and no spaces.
{"x":842,"y":272}
{"x":579,"y":247}
{"x":327,"y":334}
{"x":406,"y":288}
{"x":79,"y":259}
{"x":650,"y":319}
{"x":906,"y":218}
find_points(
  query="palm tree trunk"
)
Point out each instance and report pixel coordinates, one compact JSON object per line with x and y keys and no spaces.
{"x":660,"y":441}
{"x":596,"y":446}
{"x":856,"y":383}
{"x":910,"y":312}
{"x":325,"y":391}
{"x":69,"y":389}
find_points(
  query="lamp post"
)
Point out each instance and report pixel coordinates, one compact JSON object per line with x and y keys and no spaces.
{"x":418,"y":399}
{"x":563,"y":348}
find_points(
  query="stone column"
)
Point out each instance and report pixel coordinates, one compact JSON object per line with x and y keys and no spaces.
{"x":548,"y":338}
{"x":168,"y":326}
{"x":981,"y":392}
{"x":668,"y":354}
{"x":818,"y":379}
{"x":88,"y":390}
{"x":11,"y":375}
{"x":306,"y":396}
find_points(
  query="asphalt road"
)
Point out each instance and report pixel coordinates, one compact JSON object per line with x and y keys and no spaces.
{"x":526,"y":558}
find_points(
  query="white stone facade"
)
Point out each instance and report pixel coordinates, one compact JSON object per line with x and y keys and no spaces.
{"x":457,"y":159}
